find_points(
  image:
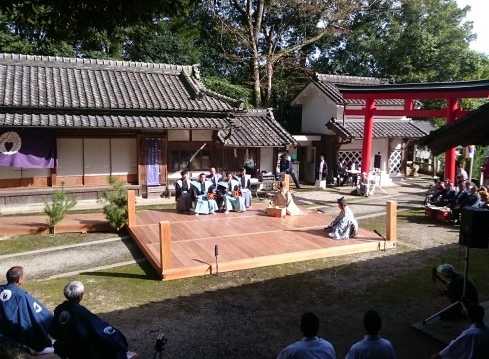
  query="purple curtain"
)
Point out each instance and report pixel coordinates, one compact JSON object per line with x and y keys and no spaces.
{"x":28,"y":147}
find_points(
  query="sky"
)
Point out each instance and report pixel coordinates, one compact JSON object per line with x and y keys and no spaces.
{"x":478,"y":14}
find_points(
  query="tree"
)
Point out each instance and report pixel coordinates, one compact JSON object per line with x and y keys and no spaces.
{"x":262,"y":35}
{"x":115,"y":203}
{"x":57,"y":210}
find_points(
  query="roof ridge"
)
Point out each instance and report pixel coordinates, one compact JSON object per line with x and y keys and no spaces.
{"x":89,"y":61}
{"x":338,"y":78}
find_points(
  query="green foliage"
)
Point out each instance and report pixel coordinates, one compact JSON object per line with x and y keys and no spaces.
{"x":57,"y":210}
{"x":115,"y":203}
{"x":223,"y":86}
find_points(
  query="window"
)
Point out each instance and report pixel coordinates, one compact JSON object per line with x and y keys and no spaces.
{"x":179,"y":160}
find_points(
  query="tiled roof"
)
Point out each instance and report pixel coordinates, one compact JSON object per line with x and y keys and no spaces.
{"x":383,"y":129}
{"x":256,"y":128}
{"x":61,"y":83}
{"x":328,"y":84}
{"x":112,"y":121}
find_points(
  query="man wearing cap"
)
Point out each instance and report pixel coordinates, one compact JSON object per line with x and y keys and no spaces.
{"x":345,"y":225}
{"x":453,"y":288}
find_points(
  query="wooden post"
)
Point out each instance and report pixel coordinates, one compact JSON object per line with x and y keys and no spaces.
{"x":131,"y":208}
{"x":287,"y":182}
{"x":391,"y":218}
{"x":165,"y":247}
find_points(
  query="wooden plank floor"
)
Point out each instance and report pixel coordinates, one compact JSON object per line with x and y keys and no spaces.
{"x":246,"y":240}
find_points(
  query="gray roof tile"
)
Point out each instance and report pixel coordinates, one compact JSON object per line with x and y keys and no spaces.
{"x":387,"y":129}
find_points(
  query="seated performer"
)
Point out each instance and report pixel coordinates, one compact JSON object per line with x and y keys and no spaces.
{"x":230,"y":188}
{"x":80,"y":334}
{"x":182,"y":193}
{"x":215,"y":178}
{"x":345,"y":225}
{"x":283,"y":198}
{"x":244,"y":181}
{"x":205,"y":202}
{"x":23,"y":319}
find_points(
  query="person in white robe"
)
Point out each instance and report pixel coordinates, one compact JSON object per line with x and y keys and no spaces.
{"x":215,"y":178}
{"x":183,"y":193}
{"x":321,"y":173}
{"x":244,"y":181}
{"x":232,"y":201}
{"x":283,"y":198}
{"x":202,"y":191}
{"x":345,"y":225}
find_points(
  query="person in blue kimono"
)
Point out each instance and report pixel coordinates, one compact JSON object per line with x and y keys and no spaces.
{"x":232,"y":200}
{"x":183,"y":193}
{"x":80,"y":334}
{"x":245,"y":183}
{"x":205,"y":202}
{"x":23,"y":319}
{"x":215,"y":178}
{"x":345,"y":225}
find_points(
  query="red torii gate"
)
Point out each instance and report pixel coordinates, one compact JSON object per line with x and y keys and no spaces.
{"x":449,"y":91}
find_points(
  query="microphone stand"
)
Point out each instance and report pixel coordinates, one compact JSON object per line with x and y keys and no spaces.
{"x":216,"y":253}
{"x":381,"y":236}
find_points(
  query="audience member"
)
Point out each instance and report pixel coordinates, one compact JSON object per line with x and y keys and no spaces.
{"x":453,"y":288}
{"x":311,"y":346}
{"x":446,"y":196}
{"x":23,"y":319}
{"x":485,"y":171}
{"x":344,"y":225}
{"x":363,"y":185}
{"x":183,"y":192}
{"x":433,"y":190}
{"x":472,"y":343}
{"x":373,"y":345}
{"x":285,"y":166}
{"x":340,"y":173}
{"x":461,"y":174}
{"x":80,"y":334}
{"x":472,"y":199}
{"x":283,"y":198}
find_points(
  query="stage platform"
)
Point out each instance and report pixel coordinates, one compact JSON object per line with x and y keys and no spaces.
{"x":245,"y":240}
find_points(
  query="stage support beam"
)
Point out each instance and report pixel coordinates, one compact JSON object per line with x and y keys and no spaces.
{"x":165,"y":247}
{"x":391,"y":218}
{"x":131,"y":208}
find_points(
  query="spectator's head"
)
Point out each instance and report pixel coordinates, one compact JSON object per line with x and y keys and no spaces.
{"x":15,"y":275}
{"x":446,"y":270}
{"x":461,"y":186}
{"x":309,"y":325}
{"x":372,"y":322}
{"x":475,"y":313}
{"x":74,"y":291}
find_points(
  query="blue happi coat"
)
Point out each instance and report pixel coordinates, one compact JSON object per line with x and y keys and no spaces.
{"x":80,"y":334}
{"x":23,"y":318}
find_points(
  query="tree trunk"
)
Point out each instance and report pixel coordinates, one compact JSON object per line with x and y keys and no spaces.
{"x":255,"y":70}
{"x":267,"y":92}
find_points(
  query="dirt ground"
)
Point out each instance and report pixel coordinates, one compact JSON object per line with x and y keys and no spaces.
{"x":255,"y":313}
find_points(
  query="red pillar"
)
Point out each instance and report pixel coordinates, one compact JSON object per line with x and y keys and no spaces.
{"x":452,"y":108}
{"x":368,"y":128}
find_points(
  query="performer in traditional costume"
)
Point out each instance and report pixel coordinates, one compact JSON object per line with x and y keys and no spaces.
{"x":321,"y":173}
{"x":215,"y":178}
{"x":244,"y":181}
{"x":23,"y":319}
{"x":345,"y":225}
{"x":232,"y":194}
{"x":283,"y":198}
{"x":204,"y":197}
{"x":80,"y":334}
{"x":183,"y":193}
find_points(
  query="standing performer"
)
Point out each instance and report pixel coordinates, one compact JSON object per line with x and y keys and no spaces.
{"x":244,"y":181}
{"x":204,"y":198}
{"x":286,"y":166}
{"x":321,"y":173}
{"x":182,"y":193}
{"x":345,"y":225}
{"x":232,"y":196}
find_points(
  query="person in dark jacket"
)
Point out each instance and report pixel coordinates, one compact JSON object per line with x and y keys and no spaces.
{"x":286,"y":166}
{"x":80,"y":334}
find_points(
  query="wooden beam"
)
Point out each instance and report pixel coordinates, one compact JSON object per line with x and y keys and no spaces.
{"x":131,"y":208}
{"x":287,"y":182}
{"x":391,"y":217}
{"x":409,"y":113}
{"x":165,"y":247}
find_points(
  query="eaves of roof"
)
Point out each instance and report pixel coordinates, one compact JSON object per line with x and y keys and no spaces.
{"x":386,"y":129}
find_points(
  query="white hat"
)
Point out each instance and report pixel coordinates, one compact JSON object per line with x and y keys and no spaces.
{"x":446,"y":269}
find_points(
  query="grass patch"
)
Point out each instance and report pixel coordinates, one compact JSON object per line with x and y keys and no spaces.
{"x":31,"y":242}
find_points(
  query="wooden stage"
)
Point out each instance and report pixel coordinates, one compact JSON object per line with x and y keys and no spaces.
{"x":245,"y":240}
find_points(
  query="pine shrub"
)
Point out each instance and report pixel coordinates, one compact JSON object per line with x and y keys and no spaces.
{"x":61,"y":204}
{"x":115,"y":203}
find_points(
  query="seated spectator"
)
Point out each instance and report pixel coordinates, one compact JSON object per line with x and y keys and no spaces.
{"x":445,"y":196}
{"x":363,"y":185}
{"x":23,"y":319}
{"x":373,"y":345}
{"x":453,"y":288}
{"x":484,"y":195}
{"x":472,"y":342}
{"x":472,"y":199}
{"x":344,"y":225}
{"x":283,"y":198}
{"x":311,"y":346}
{"x":433,"y":190}
{"x":80,"y":334}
